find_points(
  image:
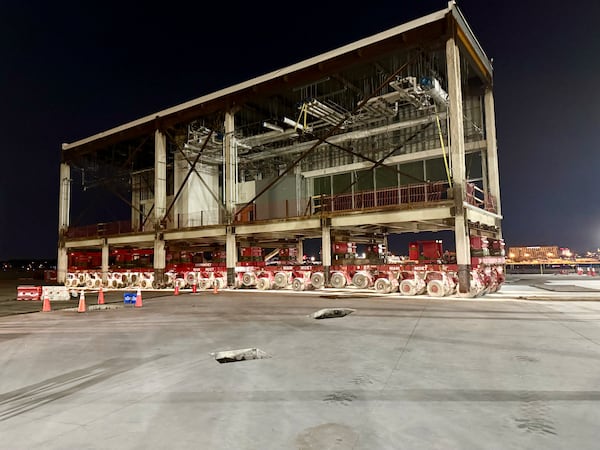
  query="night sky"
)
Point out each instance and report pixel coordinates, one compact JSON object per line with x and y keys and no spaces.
{"x":70,"y":70}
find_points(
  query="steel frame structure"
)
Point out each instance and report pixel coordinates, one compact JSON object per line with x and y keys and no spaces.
{"x":357,"y":116}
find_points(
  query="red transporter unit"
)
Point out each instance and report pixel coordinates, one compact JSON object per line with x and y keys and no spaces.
{"x":429,"y":269}
{"x":84,"y":268}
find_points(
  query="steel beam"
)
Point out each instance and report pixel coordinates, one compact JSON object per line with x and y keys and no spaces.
{"x":391,"y":217}
{"x":287,"y":226}
{"x":215,"y":233}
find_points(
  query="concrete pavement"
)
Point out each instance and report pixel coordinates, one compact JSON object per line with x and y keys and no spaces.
{"x":398,"y":373}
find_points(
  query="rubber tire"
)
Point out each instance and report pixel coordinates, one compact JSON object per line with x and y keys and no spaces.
{"x":317,"y":279}
{"x":383,"y":286}
{"x":263,"y":284}
{"x":281,"y":280}
{"x":249,"y":279}
{"x":361,"y":280}
{"x":298,"y":284}
{"x":407,"y":287}
{"x":338,"y":280}
{"x":435,"y":288}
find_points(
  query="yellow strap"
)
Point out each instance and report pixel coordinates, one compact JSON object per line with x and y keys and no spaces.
{"x":303,"y":110}
{"x":437,"y":118}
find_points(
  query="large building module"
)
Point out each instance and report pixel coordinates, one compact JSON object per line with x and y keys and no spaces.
{"x":394,"y":133}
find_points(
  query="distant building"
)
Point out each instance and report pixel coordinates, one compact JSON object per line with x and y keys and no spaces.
{"x":535,"y":253}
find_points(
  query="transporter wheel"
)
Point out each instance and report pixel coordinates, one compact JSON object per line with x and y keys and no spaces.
{"x":407,"y":287}
{"x":191,"y":278}
{"x":435,"y":288}
{"x":338,"y":280}
{"x":263,"y":284}
{"x":317,"y":279}
{"x":361,"y":280}
{"x":298,"y":284}
{"x":281,"y":280}
{"x":249,"y":279}
{"x":383,"y":286}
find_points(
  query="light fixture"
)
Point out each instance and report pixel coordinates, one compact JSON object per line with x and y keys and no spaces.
{"x":272,"y":126}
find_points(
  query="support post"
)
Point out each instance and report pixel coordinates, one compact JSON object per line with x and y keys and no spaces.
{"x":160,"y":204}
{"x":492,"y":148}
{"x":300,"y":250}
{"x":230,"y":256}
{"x":64,"y":206}
{"x":229,"y":170}
{"x":136,"y":205}
{"x":457,"y":149}
{"x":326,"y":249}
{"x":105,"y":263}
{"x":230,"y":188}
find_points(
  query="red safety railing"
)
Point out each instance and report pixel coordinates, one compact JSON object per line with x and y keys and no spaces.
{"x":479,"y":198}
{"x":404,"y":195}
{"x":100,"y":229}
{"x":197,"y":219}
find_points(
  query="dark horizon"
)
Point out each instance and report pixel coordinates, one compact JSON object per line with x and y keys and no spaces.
{"x":74,"y":72}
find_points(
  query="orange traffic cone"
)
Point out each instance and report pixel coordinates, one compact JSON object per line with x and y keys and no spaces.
{"x":216,"y":287}
{"x":176,"y":288}
{"x":81,"y":307}
{"x":46,"y":305}
{"x":100,"y":296}
{"x":138,"y":299}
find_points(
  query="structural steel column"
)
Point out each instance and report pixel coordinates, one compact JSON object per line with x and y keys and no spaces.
{"x":229,"y":160}
{"x":300,"y":251}
{"x":492,"y":148}
{"x":160,"y":203}
{"x":105,"y":262}
{"x":300,"y":200}
{"x":230,"y":256}
{"x":229,"y":177}
{"x":64,"y":206}
{"x":326,"y":249}
{"x":135,"y":202}
{"x":457,"y":148}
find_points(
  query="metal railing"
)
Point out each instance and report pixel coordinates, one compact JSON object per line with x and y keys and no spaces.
{"x":197,"y":219}
{"x":411,"y":194}
{"x":480,"y":199}
{"x":100,"y":229}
